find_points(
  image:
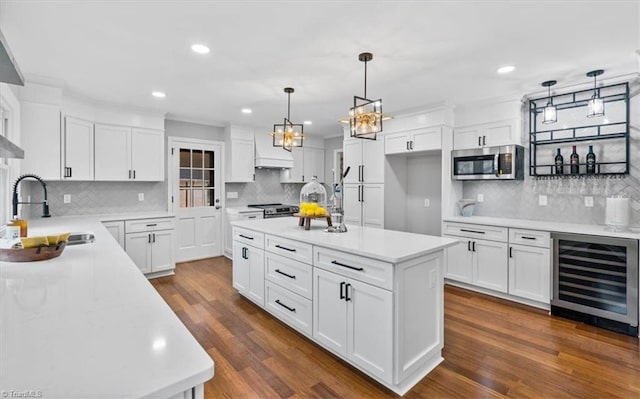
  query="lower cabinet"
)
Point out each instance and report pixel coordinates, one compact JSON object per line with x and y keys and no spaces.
{"x":150,"y":244}
{"x":116,"y":228}
{"x":346,"y":313}
{"x":530,"y":272}
{"x":248,"y":271}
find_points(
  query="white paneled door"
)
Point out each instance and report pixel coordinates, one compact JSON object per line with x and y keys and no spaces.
{"x":195,"y":196}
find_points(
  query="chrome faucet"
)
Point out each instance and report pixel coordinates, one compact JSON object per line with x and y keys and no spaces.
{"x":338,"y":205}
{"x":15,"y":202}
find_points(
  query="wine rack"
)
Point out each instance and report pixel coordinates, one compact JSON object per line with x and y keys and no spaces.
{"x":608,"y":134}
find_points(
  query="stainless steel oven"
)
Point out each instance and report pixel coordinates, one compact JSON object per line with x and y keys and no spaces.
{"x":488,"y":163}
{"x":276,"y":210}
{"x":595,"y":280}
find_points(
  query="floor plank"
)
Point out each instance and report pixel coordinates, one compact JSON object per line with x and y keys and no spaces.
{"x":493,"y":349}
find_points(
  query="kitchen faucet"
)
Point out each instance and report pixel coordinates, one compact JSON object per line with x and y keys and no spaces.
{"x":15,"y":202}
{"x":338,"y":206}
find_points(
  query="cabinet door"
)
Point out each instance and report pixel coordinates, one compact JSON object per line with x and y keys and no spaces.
{"x":330,"y":311}
{"x":241,"y":268}
{"x":502,"y":133}
{"x":117,"y":231}
{"x":490,"y":265}
{"x":397,"y":143}
{"x":352,"y":205}
{"x":372,"y":196}
{"x":40,"y":139}
{"x":459,"y":261}
{"x":294,"y":174}
{"x":147,"y":154}
{"x":112,"y":152}
{"x":352,"y":158}
{"x":242,"y":160}
{"x":372,"y":161}
{"x":370,"y":328}
{"x":138,"y":247}
{"x":530,"y":272}
{"x":256,"y":275}
{"x":78,"y":149}
{"x":313,"y":164}
{"x":468,"y":137}
{"x":426,"y":140}
{"x":162,"y":243}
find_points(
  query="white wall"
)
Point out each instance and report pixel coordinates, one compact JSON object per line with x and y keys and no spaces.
{"x":193,"y":130}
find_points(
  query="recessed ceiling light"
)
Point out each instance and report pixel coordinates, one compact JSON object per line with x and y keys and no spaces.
{"x":200,"y":48}
{"x":246,"y":110}
{"x":158,"y":94}
{"x":307,"y":122}
{"x":506,"y":69}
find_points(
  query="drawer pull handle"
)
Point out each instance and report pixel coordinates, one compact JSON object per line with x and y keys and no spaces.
{"x":511,"y":252}
{"x":285,"y":274}
{"x":152,"y":224}
{"x":528,"y":238}
{"x":251,"y":217}
{"x":472,"y":231}
{"x":335,"y":262}
{"x":285,"y":306}
{"x":247,"y":237}
{"x":346,"y":293}
{"x":285,"y":248}
{"x":342,"y":296}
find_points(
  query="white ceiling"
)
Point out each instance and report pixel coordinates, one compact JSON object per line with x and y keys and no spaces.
{"x":425,"y":52}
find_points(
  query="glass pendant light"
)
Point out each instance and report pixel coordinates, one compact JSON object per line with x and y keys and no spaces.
{"x":287,"y":134}
{"x":550,"y":113}
{"x":596,"y":104}
{"x":365,"y":117}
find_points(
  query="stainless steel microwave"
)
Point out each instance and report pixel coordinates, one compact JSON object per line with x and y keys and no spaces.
{"x":488,"y":163}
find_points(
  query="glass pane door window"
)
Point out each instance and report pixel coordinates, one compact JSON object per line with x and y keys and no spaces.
{"x":197,"y":183}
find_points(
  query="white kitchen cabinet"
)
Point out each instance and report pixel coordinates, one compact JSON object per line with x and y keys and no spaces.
{"x":530,"y":272}
{"x":232,"y":215}
{"x":77,"y":149}
{"x":40,"y":139}
{"x":490,"y":268}
{"x":459,"y":265}
{"x":308,"y":162}
{"x":150,"y":244}
{"x":239,"y":154}
{"x":147,"y":154}
{"x":364,"y":204}
{"x":346,"y":311}
{"x":248,"y":271}
{"x":112,"y":152}
{"x":488,"y":134}
{"x":116,"y":228}
{"x":425,"y":139}
{"x":366,"y":160}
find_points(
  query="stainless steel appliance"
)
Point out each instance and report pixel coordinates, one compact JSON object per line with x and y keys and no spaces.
{"x":595,"y":280}
{"x":276,"y":210}
{"x":488,"y":163}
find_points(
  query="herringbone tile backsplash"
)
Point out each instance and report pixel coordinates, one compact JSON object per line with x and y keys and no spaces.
{"x":266,"y":189}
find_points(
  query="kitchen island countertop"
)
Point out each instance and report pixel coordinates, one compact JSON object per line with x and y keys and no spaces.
{"x":88,"y":324}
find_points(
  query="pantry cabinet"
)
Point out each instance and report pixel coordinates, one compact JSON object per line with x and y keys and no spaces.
{"x":308,"y":162}
{"x":364,"y":204}
{"x":497,"y":133}
{"x":365,"y":158}
{"x":77,"y":149}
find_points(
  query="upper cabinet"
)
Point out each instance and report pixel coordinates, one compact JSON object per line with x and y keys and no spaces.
{"x":366,"y":160}
{"x":491,"y":134}
{"x":77,"y":149}
{"x":308,"y":162}
{"x":239,"y":151}
{"x":424,"y":139}
{"x":123,"y":153}
{"x":40,"y":139}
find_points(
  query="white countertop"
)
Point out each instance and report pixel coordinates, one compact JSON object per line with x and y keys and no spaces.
{"x":386,"y":245}
{"x":88,"y":324}
{"x":576,"y":228}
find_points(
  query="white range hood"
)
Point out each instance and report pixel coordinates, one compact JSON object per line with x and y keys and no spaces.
{"x":268,"y":156}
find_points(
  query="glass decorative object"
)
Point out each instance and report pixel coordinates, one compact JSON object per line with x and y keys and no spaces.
{"x":313,"y":199}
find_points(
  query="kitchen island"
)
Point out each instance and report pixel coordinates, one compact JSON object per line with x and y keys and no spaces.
{"x":89,"y":325}
{"x":372,"y":297}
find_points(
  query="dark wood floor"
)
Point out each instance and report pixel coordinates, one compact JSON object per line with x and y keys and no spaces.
{"x":493,"y":348}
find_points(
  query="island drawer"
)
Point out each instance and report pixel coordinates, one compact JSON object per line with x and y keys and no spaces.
{"x":364,"y":269}
{"x":291,"y":249}
{"x":534,"y":238}
{"x":493,"y":233}
{"x":141,"y":225}
{"x":291,"y":308}
{"x":249,"y":237}
{"x":291,"y":274}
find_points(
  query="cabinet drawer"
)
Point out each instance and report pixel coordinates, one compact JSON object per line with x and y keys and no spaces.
{"x":290,"y":274}
{"x":534,"y":238}
{"x":289,"y":307}
{"x":139,"y":225}
{"x":367,"y":270}
{"x":493,"y":233}
{"x":291,"y":249}
{"x":249,"y":237}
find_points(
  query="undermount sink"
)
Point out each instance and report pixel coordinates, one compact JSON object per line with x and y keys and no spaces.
{"x":80,"y":238}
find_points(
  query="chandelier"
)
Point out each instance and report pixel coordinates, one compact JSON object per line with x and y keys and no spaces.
{"x":287,"y":134}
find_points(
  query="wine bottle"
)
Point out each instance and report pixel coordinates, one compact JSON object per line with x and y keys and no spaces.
{"x":574,"y":160}
{"x":591,"y":161}
{"x":559,"y":163}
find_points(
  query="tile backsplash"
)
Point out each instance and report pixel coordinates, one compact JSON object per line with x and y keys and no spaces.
{"x":266,"y":189}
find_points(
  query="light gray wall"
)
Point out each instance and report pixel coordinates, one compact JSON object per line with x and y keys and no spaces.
{"x":330,"y":145}
{"x":193,"y":130}
{"x":424,"y":182}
